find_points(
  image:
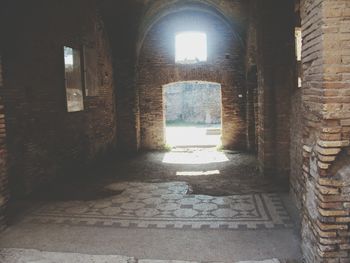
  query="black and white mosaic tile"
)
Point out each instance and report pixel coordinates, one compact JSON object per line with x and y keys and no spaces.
{"x":167,"y":205}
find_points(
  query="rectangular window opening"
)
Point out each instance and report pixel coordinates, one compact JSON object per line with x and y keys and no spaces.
{"x":73,"y":79}
{"x":298,"y":43}
{"x":190,"y":47}
{"x":298,"y":50}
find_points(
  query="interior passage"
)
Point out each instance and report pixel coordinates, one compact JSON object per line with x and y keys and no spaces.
{"x":175,"y":131}
{"x":186,"y":199}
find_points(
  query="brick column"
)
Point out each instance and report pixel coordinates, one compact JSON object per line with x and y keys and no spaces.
{"x":326,"y":98}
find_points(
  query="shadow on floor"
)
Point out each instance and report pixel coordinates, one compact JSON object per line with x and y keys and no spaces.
{"x":208,"y":171}
{"x":210,"y":205}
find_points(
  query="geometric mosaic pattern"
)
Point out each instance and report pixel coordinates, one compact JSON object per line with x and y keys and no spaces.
{"x":167,"y":205}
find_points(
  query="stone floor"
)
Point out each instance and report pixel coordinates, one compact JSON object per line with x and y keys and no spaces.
{"x":31,"y":255}
{"x":188,"y":204}
{"x":208,"y":171}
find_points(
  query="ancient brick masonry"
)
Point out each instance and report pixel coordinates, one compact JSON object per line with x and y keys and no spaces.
{"x":116,"y":15}
{"x":326,"y":168}
{"x":3,"y":157}
{"x":296,"y":130}
{"x":45,"y":142}
{"x":275,"y":65}
{"x":251,"y":54}
{"x":252,"y":111}
{"x":225,"y":66}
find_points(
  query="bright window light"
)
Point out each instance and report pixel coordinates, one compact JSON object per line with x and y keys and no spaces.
{"x":298,"y":43}
{"x":190,"y":47}
{"x":198,"y":173}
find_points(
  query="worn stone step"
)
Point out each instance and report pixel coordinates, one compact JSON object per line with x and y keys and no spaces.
{"x":13,"y":255}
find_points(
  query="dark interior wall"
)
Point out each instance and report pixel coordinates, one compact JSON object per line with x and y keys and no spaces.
{"x":122,"y":19}
{"x":44,"y":140}
{"x":225,"y":66}
{"x":296,"y":130}
{"x":296,"y":148}
{"x":4,"y":194}
{"x":252,"y":110}
{"x":276,"y":80}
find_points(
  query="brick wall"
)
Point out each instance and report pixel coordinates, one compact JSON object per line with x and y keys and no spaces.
{"x":296,"y":147}
{"x":326,"y":98}
{"x":118,"y":14}
{"x":296,"y":129}
{"x":225,"y":66}
{"x":44,"y":140}
{"x":252,"y":111}
{"x":276,"y":66}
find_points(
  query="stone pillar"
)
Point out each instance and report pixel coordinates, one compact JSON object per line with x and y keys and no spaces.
{"x":326,"y":98}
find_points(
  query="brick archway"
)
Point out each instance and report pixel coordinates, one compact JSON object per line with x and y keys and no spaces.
{"x":157,"y":67}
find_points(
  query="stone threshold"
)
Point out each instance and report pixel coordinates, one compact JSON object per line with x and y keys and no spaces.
{"x":14,"y":255}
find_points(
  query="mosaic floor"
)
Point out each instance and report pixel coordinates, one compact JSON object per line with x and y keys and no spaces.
{"x":167,"y":205}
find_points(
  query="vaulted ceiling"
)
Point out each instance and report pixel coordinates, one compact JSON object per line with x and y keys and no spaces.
{"x":133,"y":19}
{"x":231,"y":12}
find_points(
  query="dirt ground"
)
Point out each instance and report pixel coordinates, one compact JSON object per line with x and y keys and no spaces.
{"x":208,"y":171}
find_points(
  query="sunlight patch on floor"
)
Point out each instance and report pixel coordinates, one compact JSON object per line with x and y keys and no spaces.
{"x":200,"y":156}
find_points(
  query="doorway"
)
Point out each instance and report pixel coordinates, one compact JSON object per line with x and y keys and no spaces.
{"x":193,"y":114}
